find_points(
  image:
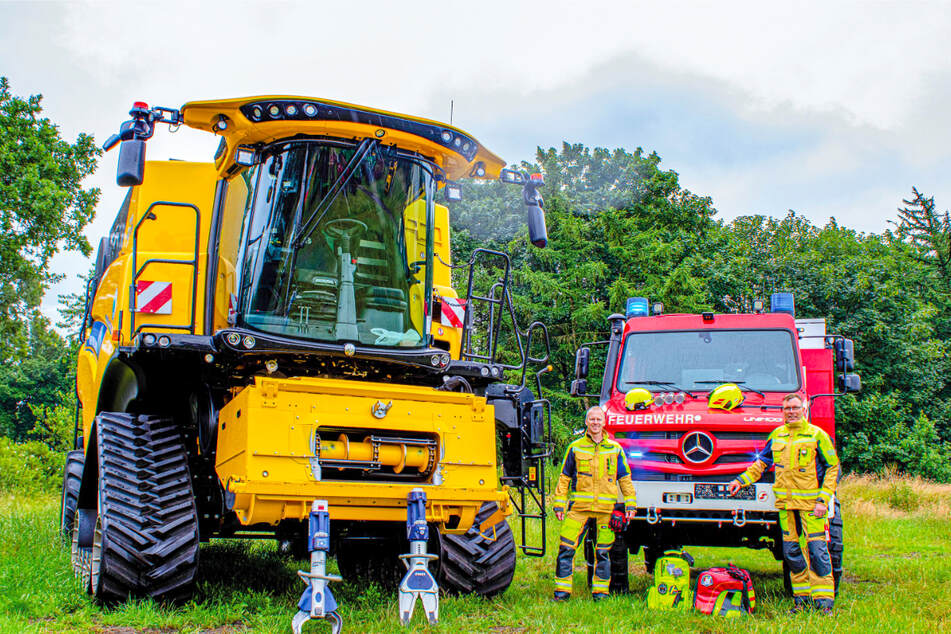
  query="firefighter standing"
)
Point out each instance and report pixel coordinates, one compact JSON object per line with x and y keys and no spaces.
{"x":806,"y":473}
{"x":593,"y":468}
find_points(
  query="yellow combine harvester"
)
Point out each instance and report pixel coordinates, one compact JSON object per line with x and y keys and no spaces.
{"x":280,"y":326}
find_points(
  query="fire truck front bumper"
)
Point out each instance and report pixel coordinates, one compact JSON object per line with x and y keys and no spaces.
{"x":704,"y":502}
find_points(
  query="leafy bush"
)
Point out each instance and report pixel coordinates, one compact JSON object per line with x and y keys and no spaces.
{"x":29,"y":467}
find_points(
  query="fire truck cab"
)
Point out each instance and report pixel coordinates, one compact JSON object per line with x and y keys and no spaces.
{"x":683,"y":452}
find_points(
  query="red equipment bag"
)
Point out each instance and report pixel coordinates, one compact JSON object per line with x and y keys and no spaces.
{"x":724,"y":592}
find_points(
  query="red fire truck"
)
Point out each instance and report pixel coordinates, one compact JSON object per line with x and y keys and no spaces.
{"x":682,"y":451}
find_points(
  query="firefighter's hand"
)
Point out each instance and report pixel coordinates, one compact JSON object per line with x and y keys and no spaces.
{"x":820,"y":510}
{"x":734,"y":487}
{"x":630,"y":515}
{"x":560,"y":515}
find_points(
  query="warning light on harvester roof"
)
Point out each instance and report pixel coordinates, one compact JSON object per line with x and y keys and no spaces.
{"x":537,"y":177}
{"x":782,"y":303}
{"x":141,"y":104}
{"x":636,"y":306}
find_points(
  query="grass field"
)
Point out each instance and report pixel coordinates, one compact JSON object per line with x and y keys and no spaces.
{"x":898,"y":578}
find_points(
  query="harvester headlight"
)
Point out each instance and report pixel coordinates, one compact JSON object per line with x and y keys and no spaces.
{"x":209,"y":358}
{"x":291,"y":109}
{"x":274,"y":110}
{"x":479,"y":170}
{"x":495,"y":372}
{"x":148,"y":339}
{"x":221,"y":123}
{"x":446,"y":136}
{"x":257,"y":112}
{"x":271,"y":366}
{"x":434,"y":359}
{"x":457,"y":142}
{"x":349,"y":349}
{"x":248,"y":341}
{"x":233,"y":338}
{"x":164,"y":341}
{"x":484,"y":371}
{"x":310,"y":110}
{"x":465,"y":146}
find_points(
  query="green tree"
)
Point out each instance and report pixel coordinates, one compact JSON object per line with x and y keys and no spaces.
{"x":43,"y":209}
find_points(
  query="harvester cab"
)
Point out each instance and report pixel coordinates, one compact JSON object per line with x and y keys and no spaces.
{"x":281,"y":326}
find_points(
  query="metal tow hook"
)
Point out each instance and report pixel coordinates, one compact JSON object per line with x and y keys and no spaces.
{"x":653,"y":515}
{"x":418,"y":583}
{"x":739,"y":517}
{"x":318,"y":602}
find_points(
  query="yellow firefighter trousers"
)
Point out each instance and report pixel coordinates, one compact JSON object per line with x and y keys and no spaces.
{"x":811,"y":571}
{"x":568,"y":543}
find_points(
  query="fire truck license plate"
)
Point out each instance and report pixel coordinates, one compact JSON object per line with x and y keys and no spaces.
{"x":721,"y":492}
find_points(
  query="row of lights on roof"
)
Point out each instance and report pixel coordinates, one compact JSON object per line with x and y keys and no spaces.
{"x":280,"y":111}
{"x":778,"y":303}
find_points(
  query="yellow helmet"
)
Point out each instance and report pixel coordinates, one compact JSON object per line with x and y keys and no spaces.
{"x":727,"y":396}
{"x":638,"y":398}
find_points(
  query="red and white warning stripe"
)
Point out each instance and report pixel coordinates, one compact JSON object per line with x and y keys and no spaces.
{"x":453,"y":312}
{"x":153,"y":297}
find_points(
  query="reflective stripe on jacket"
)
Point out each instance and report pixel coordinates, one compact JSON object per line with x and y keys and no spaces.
{"x":590,"y":475}
{"x":806,"y":466}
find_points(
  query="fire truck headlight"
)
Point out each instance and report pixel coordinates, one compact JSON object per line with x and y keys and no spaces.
{"x":668,"y":398}
{"x":679,"y":398}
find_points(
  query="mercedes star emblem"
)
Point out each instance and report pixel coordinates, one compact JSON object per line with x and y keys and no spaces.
{"x":697,"y":447}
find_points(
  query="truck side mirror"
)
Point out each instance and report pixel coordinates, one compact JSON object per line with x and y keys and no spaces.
{"x":844,"y":355}
{"x":850,"y":383}
{"x":579,"y":387}
{"x":131,"y":163}
{"x":582,"y":356}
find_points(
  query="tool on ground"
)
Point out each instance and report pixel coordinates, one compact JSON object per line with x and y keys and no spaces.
{"x":418,"y":583}
{"x":318,"y":602}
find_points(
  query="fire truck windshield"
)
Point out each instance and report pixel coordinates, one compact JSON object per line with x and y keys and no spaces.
{"x":763,"y":360}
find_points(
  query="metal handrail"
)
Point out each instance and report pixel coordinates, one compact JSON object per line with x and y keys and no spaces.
{"x":150,"y":215}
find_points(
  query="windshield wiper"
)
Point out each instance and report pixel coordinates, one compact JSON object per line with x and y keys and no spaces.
{"x":321,"y":210}
{"x":739,"y":384}
{"x":667,"y":383}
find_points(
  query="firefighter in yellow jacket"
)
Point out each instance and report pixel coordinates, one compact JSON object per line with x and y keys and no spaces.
{"x":806,"y":473}
{"x":593,"y":468}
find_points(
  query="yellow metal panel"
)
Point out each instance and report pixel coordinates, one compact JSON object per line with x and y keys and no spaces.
{"x":266,"y":434}
{"x":203,"y":115}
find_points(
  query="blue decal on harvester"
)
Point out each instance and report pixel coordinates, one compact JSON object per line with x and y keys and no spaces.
{"x":96,"y":335}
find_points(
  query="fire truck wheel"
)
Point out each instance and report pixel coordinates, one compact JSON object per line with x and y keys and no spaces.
{"x":145,"y":541}
{"x":836,"y":544}
{"x":651,"y":555}
{"x":475,"y":563}
{"x":72,"y":478}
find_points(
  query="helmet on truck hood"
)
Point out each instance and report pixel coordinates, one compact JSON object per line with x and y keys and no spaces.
{"x":638,"y":398}
{"x":727,"y":396}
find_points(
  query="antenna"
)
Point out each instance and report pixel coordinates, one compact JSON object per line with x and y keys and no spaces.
{"x":450,"y":111}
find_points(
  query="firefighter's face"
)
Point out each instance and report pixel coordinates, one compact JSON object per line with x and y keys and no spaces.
{"x":594,"y":421}
{"x":793,"y":410}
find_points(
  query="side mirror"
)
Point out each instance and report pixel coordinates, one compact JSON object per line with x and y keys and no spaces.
{"x":579,"y":387}
{"x":850,"y":383}
{"x":582,"y":356}
{"x":844,"y":355}
{"x":510,"y":176}
{"x":131,"y":166}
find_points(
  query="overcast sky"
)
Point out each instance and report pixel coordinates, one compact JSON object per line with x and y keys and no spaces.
{"x":830,"y":109}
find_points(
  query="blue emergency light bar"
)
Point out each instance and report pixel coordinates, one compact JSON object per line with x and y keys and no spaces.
{"x":637,"y":307}
{"x":782,"y":303}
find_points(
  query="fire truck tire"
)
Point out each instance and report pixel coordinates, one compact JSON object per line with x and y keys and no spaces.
{"x":72,"y":478}
{"x":145,"y":541}
{"x":836,"y":544}
{"x":651,"y":555}
{"x":474,"y":563}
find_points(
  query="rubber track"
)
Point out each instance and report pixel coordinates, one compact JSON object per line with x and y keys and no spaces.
{"x":473,"y":564}
{"x":72,"y":478}
{"x":148,"y":515}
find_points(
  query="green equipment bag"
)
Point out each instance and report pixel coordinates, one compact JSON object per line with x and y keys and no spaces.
{"x":671,"y":589}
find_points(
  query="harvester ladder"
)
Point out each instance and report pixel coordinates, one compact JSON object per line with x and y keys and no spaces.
{"x":151,"y":215}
